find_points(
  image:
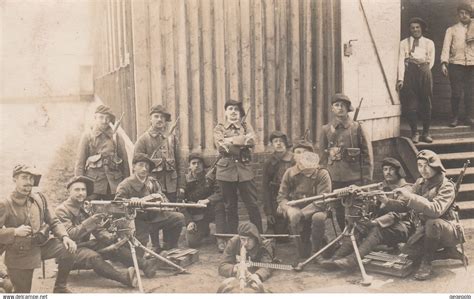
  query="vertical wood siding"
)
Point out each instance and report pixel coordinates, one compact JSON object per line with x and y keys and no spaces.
{"x":279,"y":57}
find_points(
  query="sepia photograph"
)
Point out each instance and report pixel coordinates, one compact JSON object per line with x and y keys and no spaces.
{"x":237,"y":146}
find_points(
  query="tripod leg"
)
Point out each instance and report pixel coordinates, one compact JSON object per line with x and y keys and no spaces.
{"x":135,"y":265}
{"x":300,"y":266}
{"x":366,"y":279}
{"x":181,"y":269}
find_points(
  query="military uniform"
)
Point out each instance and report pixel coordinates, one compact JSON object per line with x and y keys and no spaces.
{"x":102,"y":156}
{"x":297,"y":184}
{"x":23,"y":254}
{"x":273,"y":170}
{"x":163,"y":151}
{"x":263,"y":252}
{"x":234,"y":173}
{"x":170,"y":222}
{"x":198,"y":188}
{"x":345,"y":153}
{"x":389,"y":228}
{"x":431,"y":204}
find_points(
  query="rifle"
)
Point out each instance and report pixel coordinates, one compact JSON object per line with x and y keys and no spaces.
{"x":356,"y":113}
{"x":173,"y":127}
{"x":269,"y":236}
{"x":335,"y":195}
{"x":117,"y":123}
{"x":459,"y":228}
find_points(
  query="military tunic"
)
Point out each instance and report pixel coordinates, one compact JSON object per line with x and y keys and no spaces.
{"x":170,"y":222}
{"x":164,"y":152}
{"x":103,"y":159}
{"x":234,"y":174}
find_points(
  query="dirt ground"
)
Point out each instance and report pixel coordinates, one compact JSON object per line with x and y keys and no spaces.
{"x":47,"y":135}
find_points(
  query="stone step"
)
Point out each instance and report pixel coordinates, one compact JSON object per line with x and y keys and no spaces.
{"x":466,"y":188}
{"x":456,"y":141}
{"x":457,"y":156}
{"x":454,"y":172}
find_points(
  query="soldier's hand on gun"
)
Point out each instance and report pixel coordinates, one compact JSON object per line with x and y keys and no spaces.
{"x":192,"y":227}
{"x":203,"y":202}
{"x":281,"y":209}
{"x":254,"y":279}
{"x":69,"y":244}
{"x":403,"y":194}
{"x":22,"y":231}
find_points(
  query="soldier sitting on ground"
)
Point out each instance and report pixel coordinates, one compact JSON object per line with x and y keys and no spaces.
{"x":25,"y":222}
{"x":200,"y":189}
{"x":299,"y":181}
{"x":257,"y":249}
{"x":388,"y":228}
{"x":275,"y":166}
{"x":431,"y":201}
{"x":81,"y":225}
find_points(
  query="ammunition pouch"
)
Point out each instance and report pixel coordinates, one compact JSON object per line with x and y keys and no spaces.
{"x":22,"y":244}
{"x":98,"y":161}
{"x":42,"y":236}
{"x":351,"y":154}
{"x":164,"y":164}
{"x":94,"y":161}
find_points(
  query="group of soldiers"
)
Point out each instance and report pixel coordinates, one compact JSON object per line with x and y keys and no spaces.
{"x":421,"y":215}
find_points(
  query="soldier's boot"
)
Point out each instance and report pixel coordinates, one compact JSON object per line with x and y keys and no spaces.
{"x":424,"y":272}
{"x":426,"y":137}
{"x":104,"y":269}
{"x":450,"y":253}
{"x":64,"y":267}
{"x":345,"y":249}
{"x":300,"y":247}
{"x":148,"y":266}
{"x":412,"y":122}
{"x":468,"y":109}
{"x":350,"y":262}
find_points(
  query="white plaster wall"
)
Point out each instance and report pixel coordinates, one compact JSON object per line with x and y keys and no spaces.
{"x":44,"y":45}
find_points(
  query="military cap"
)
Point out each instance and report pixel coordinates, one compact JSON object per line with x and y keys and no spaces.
{"x":465,"y":6}
{"x":235,"y":103}
{"x":162,"y":110}
{"x":104,"y":109}
{"x":302,"y":143}
{"x":141,"y":157}
{"x":396,"y":164}
{"x":279,"y":134}
{"x":420,"y":21}
{"x":22,"y":168}
{"x":82,"y":179}
{"x":339,"y":97}
{"x":198,"y":156}
{"x":433,"y":159}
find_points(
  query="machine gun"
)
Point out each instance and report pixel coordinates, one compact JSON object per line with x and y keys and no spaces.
{"x":335,"y":195}
{"x":117,"y":218}
{"x":360,"y":207}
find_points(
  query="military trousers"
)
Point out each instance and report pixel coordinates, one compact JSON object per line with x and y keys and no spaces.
{"x":170,"y":222}
{"x":248,"y":193}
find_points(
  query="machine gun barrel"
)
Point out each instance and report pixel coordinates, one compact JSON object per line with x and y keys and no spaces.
{"x":148,"y":204}
{"x":261,"y":235}
{"x":335,"y":195}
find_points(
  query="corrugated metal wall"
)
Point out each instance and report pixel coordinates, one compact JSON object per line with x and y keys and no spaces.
{"x":279,"y":57}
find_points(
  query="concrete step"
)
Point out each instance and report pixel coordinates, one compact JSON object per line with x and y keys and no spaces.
{"x":466,"y":188}
{"x":466,"y":209}
{"x":454,"y":172}
{"x":456,"y":160}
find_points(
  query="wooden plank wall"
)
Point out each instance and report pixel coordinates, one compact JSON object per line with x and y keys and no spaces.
{"x":279,"y":57}
{"x":113,"y":70}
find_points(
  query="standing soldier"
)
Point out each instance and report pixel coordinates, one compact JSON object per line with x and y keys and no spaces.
{"x":102,"y":155}
{"x":234,"y":138}
{"x":25,"y":222}
{"x":161,"y":146}
{"x":299,"y":181}
{"x":344,"y":150}
{"x":139,"y":185}
{"x":415,"y":82}
{"x":457,"y":62}
{"x":200,"y":189}
{"x":279,"y":161}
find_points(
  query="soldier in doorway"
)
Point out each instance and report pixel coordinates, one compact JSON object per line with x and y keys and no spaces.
{"x":415,"y":82}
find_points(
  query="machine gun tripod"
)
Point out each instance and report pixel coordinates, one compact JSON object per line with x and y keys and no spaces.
{"x":360,"y":207}
{"x":121,"y":213}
